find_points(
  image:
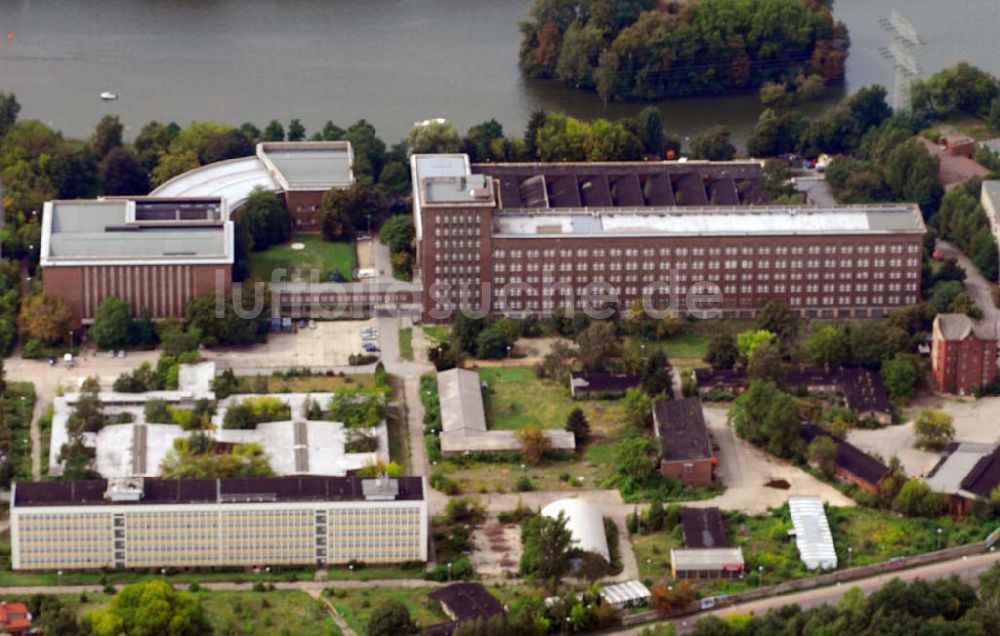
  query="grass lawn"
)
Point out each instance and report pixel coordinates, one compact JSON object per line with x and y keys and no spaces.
{"x":652,"y":553}
{"x":276,"y":612}
{"x":356,"y":605}
{"x":689,"y":347}
{"x":304,"y":383}
{"x":317,"y":255}
{"x":437,"y":333}
{"x":406,"y":344}
{"x":373,"y":573}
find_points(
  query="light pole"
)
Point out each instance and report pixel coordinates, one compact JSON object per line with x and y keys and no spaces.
{"x":939,"y":538}
{"x":850,"y":553}
{"x":760,"y":576}
{"x":449,"y":571}
{"x":508,"y":352}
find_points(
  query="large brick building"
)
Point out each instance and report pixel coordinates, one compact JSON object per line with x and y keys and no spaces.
{"x":301,"y":172}
{"x":963,"y":353}
{"x":690,"y":237}
{"x":154,"y":253}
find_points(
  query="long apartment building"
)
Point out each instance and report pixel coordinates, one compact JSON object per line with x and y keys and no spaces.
{"x":154,"y":253}
{"x":194,"y":523}
{"x":531,"y":238}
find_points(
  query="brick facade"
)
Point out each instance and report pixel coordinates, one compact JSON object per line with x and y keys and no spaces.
{"x":963,"y":354}
{"x":694,"y":472}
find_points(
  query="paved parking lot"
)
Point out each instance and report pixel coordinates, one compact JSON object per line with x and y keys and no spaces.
{"x":322,"y":345}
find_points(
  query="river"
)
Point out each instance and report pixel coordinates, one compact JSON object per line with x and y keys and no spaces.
{"x":390,"y":61}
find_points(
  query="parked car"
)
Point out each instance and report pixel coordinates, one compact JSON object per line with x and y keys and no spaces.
{"x":370,"y":348}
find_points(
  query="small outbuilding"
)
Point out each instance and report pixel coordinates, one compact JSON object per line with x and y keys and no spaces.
{"x":686,"y":449}
{"x":463,"y":602}
{"x":706,"y":563}
{"x":627,"y":594}
{"x":596,"y":384}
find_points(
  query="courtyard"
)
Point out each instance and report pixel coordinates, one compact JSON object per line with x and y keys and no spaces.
{"x":314,"y":255}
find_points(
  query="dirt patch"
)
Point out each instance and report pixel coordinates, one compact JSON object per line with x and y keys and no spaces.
{"x":780,"y":484}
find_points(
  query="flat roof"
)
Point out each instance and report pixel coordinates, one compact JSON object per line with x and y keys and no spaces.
{"x":703,"y":528}
{"x":461,"y":398}
{"x":714,"y":221}
{"x":812,"y":533}
{"x":225,"y":491}
{"x":308,"y":165}
{"x":111,"y":231}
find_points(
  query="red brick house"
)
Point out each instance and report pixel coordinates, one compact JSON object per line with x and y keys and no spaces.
{"x":963,"y":354}
{"x":686,"y":448}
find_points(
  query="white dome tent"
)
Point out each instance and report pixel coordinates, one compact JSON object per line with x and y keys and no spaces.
{"x":585,"y":523}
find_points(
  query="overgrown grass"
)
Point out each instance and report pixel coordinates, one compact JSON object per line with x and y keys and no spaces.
{"x":276,"y":612}
{"x":317,"y":383}
{"x":406,"y":344}
{"x":437,"y":333}
{"x":19,"y":402}
{"x":357,"y":605}
{"x":316,"y":255}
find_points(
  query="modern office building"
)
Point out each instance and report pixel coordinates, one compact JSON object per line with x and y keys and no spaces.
{"x":154,"y":253}
{"x":301,"y":172}
{"x":963,"y":353}
{"x":196,"y":523}
{"x":689,"y":237}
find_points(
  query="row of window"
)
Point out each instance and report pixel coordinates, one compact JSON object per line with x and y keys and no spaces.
{"x":747,"y":250}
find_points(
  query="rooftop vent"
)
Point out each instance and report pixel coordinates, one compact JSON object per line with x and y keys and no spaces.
{"x":382,"y":488}
{"x":124,"y":490}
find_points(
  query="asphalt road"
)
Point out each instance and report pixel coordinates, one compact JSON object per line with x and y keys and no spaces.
{"x":966,"y":568}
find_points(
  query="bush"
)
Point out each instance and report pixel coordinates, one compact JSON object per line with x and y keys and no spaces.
{"x":447,"y":485}
{"x":33,"y":349}
{"x":524,"y":484}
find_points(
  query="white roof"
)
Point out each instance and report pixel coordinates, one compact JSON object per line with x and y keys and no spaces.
{"x":584,"y":522}
{"x":425,"y":166}
{"x":625,"y":593}
{"x":716,"y":221}
{"x":706,"y":559}
{"x":232,"y":180}
{"x":812,"y":533}
{"x":950,"y":472}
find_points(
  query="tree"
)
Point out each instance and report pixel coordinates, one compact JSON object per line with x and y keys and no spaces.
{"x":491,"y":344}
{"x":577,"y":424}
{"x":912,"y":174}
{"x":391,"y":618}
{"x":88,"y":415}
{"x":829,"y":347}
{"x":822,"y":452}
{"x":713,"y":145}
{"x":634,"y":458}
{"x":768,"y":417}
{"x":649,"y":126}
{"x":869,"y":107}
{"x":398,"y":233}
{"x":638,"y":408}
{"x":934,"y":429}
{"x":766,"y":364}
{"x":296,"y":131}
{"x":596,"y":345}
{"x":111,"y":324}
{"x":171,"y":165}
{"x":535,"y":122}
{"x":749,"y":342}
{"x":434,"y":137}
{"x":229,"y":328}
{"x":534,"y":444}
{"x":547,"y":543}
{"x":274,"y":131}
{"x":722,"y":352}
{"x":479,"y":140}
{"x":9,"y":108}
{"x":122,"y":174}
{"x":107,"y":136}
{"x":151,"y":609}
{"x":656,"y":376}
{"x":916,"y":499}
{"x":900,"y":375}
{"x":555,"y":364}
{"x":268,"y":221}
{"x":777,"y":318}
{"x":346,"y":209}
{"x":45,"y":318}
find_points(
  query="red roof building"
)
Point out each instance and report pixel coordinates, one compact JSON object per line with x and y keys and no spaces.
{"x":15,"y":618}
{"x":963,"y":354}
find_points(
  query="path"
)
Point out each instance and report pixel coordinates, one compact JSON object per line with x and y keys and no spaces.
{"x":332,"y":611}
{"x":975,"y":283}
{"x":967,"y":568}
{"x":221,"y":586}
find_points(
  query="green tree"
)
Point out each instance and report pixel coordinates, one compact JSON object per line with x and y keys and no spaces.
{"x":344,"y":210}
{"x":9,"y":108}
{"x":122,"y":174}
{"x":274,"y":131}
{"x":597,"y":345}
{"x":916,"y":499}
{"x":152,"y":608}
{"x":547,"y":542}
{"x":869,"y":107}
{"x":398,"y":233}
{"x":768,"y":417}
{"x":722,"y":352}
{"x":638,"y":408}
{"x":535,"y":123}
{"x":829,"y":347}
{"x":611,"y":141}
{"x":296,"y":131}
{"x":912,"y":174}
{"x":766,"y":364}
{"x":934,"y":429}
{"x":713,"y":145}
{"x":480,"y":138}
{"x":649,"y":126}
{"x":172,"y":165}
{"x":635,"y":458}
{"x":491,"y":344}
{"x":391,"y":618}
{"x":962,"y":88}
{"x":268,"y":221}
{"x":434,"y":137}
{"x":749,"y":342}
{"x":577,"y":424}
{"x":822,"y":452}
{"x":777,"y":318}
{"x":111,"y":324}
{"x":656,"y":376}
{"x":563,"y":138}
{"x":107,"y":136}
{"x":900,"y":375}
